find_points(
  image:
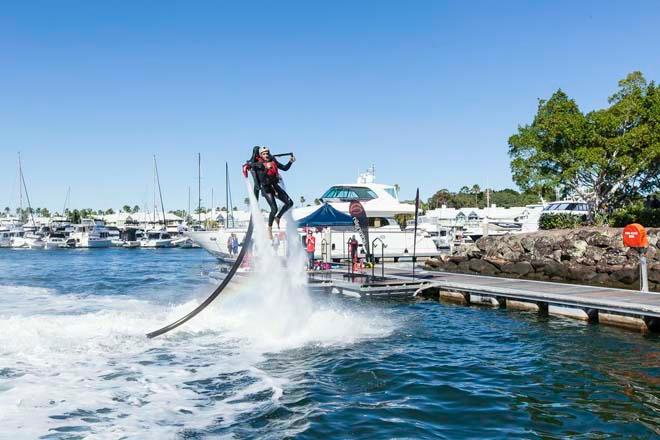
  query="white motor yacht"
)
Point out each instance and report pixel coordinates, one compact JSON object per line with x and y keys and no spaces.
{"x":35,"y":241}
{"x":183,"y":243}
{"x":156,"y":239}
{"x":16,"y":238}
{"x":56,"y":241}
{"x":381,"y":203}
{"x":90,"y":234}
{"x":5,"y":238}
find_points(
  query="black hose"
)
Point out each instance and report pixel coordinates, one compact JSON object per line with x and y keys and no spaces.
{"x":216,"y":292}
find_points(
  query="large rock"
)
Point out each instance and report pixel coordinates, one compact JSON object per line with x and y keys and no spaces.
{"x":591,"y":256}
{"x":538,"y":265}
{"x":521,"y":268}
{"x":483,"y":267}
{"x":576,"y":249}
{"x":555,"y":269}
{"x":543,"y":247}
{"x":464,"y":266}
{"x":601,"y":278}
{"x":614,"y":258}
{"x":601,"y":240}
{"x":627,"y":275}
{"x":497,"y":262}
{"x":577,"y":272}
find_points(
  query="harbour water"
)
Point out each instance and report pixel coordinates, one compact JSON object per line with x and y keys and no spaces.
{"x":74,"y":361}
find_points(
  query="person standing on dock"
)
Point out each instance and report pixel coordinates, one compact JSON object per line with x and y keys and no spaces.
{"x":352,"y":248}
{"x":310,"y":246}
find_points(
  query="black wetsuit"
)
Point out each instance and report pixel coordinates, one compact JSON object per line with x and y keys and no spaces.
{"x":271,"y":188}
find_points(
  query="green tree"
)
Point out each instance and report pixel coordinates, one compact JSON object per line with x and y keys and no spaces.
{"x":7,"y":211}
{"x":317,"y":201}
{"x":45,"y":212}
{"x":302,"y":200}
{"x":476,"y":190}
{"x":247,"y":202}
{"x":109,"y":211}
{"x":136,"y":209}
{"x":126,"y":208}
{"x":604,"y":157}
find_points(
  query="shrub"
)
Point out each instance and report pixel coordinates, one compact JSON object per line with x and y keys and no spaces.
{"x":648,"y":217}
{"x":560,"y":221}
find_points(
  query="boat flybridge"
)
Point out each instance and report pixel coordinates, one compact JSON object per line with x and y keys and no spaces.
{"x":381,"y":204}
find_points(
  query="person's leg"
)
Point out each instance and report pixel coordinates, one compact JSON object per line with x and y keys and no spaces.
{"x":286,"y":200}
{"x":270,"y":198}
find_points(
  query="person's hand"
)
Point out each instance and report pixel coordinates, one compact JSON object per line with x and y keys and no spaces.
{"x":292,"y":159}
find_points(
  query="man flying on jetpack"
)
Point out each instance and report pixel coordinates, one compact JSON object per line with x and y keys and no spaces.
{"x":265,"y":170}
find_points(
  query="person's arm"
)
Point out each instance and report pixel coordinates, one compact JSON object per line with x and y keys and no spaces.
{"x":286,"y":166}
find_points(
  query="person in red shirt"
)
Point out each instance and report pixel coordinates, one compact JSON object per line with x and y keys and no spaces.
{"x":352,"y":248}
{"x":310,"y":245}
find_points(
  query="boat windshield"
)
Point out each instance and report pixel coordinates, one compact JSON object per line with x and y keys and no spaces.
{"x":349,"y":193}
{"x":392,"y":192}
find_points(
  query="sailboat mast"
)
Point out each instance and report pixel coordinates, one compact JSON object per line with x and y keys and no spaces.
{"x":227,"y":196}
{"x":188,"y":213}
{"x":27,"y":196}
{"x":212,"y":210}
{"x":66,"y":200}
{"x":199,"y":188}
{"x":155,"y":192}
{"x":20,"y":188}
{"x":160,"y":193}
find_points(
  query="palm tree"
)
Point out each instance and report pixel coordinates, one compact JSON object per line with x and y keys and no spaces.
{"x":126,"y":209}
{"x":136,"y":209}
{"x":464,"y":190}
{"x":317,"y":201}
{"x":302,"y":200}
{"x":246,"y":201}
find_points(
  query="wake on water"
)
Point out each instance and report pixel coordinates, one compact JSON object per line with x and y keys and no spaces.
{"x":83,"y":367}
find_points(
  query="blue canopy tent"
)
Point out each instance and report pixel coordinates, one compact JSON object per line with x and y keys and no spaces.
{"x":326,"y":216}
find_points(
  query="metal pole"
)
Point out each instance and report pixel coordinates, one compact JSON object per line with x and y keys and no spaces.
{"x":382,"y":259}
{"x":643,"y":268}
{"x":373,"y":266}
{"x":415,"y":232}
{"x":199,"y":188}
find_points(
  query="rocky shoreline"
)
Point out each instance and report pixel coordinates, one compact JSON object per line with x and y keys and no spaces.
{"x":590,"y":255}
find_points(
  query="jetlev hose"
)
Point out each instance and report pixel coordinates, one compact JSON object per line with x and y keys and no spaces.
{"x":216,"y":292}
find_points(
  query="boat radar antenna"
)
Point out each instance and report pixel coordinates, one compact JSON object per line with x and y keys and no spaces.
{"x":369,"y":176}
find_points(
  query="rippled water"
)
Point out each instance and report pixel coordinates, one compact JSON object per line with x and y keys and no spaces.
{"x":74,"y":362}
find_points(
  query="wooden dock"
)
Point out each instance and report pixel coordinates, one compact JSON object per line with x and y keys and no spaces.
{"x":620,"y":307}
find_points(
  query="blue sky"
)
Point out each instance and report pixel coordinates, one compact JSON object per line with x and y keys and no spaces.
{"x":429,"y":92}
